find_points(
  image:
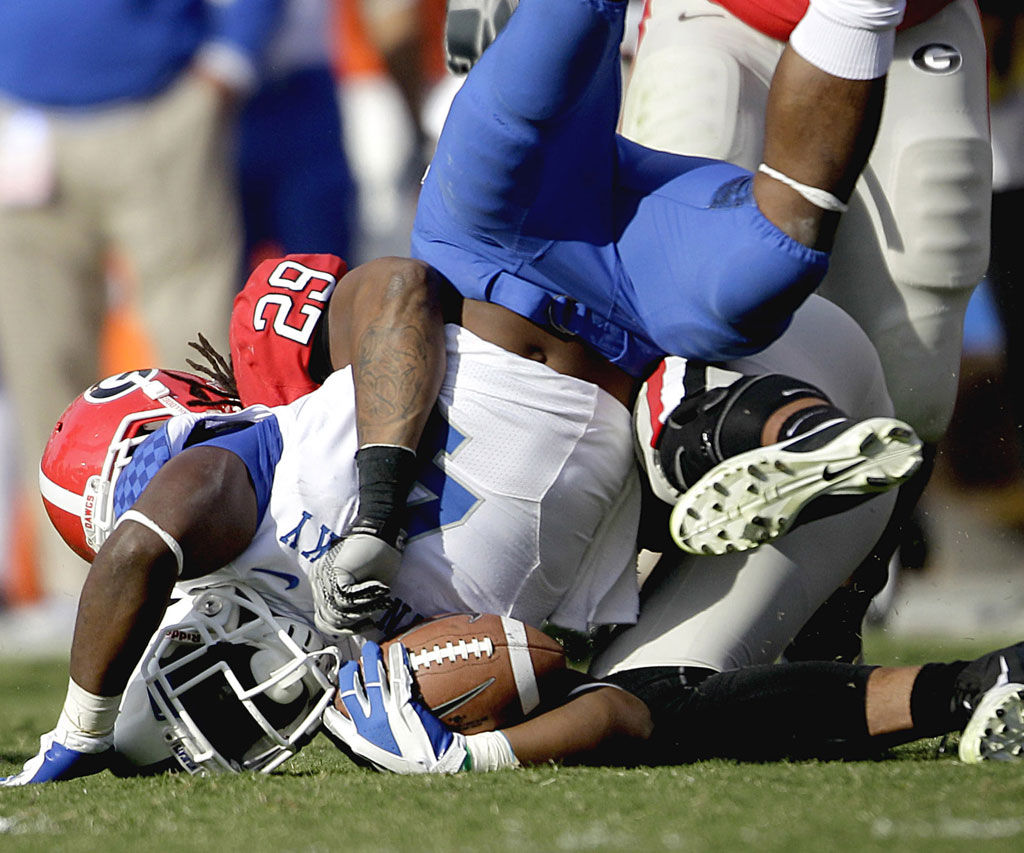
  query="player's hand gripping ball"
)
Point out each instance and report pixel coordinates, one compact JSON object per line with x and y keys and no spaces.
{"x":479,"y":672}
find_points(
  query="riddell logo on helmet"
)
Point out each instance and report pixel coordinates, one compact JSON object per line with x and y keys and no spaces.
{"x":180,"y":636}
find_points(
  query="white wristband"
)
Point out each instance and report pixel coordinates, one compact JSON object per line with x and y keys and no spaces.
{"x":843,"y":46}
{"x":490,"y":751}
{"x":87,"y":714}
{"x":818,"y":197}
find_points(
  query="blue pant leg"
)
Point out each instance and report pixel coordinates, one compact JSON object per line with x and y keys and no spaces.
{"x":527,"y":152}
{"x":708,"y":275}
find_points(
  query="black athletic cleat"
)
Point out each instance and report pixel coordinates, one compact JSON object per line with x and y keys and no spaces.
{"x":992,"y":689}
{"x":755,"y":497}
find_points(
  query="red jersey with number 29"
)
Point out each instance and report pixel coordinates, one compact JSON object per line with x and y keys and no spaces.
{"x":273,"y":322}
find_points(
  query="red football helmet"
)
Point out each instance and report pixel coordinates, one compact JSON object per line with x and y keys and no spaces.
{"x":272,"y":325}
{"x":95,"y":438}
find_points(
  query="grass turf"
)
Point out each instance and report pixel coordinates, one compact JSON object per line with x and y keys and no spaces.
{"x":319,"y":801}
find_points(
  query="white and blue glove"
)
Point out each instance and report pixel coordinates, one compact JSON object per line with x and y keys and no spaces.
{"x":80,"y":745}
{"x":63,"y":755}
{"x":386,"y":726}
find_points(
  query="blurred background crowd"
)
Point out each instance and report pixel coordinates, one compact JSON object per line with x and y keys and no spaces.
{"x":150,"y":155}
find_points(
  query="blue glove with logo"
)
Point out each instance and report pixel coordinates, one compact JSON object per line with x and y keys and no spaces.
{"x":384,"y":725}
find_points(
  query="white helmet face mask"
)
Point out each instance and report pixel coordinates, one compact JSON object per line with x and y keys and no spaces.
{"x":225,"y":686}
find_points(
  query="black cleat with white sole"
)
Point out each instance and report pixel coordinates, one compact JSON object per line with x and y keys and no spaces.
{"x":991,"y":688}
{"x":754,"y":497}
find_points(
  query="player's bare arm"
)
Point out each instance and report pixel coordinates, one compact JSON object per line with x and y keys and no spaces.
{"x":823,"y":112}
{"x":203,"y":501}
{"x":386,"y":319}
{"x":589,"y":728}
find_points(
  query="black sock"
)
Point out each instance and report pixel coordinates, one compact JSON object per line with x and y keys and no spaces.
{"x":932,"y":703}
{"x":758,"y":713}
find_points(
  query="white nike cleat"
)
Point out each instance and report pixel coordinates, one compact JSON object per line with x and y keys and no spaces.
{"x":756,"y":496}
{"x":995,"y":731}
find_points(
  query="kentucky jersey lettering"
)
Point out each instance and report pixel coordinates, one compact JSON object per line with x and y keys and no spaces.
{"x":291,"y":538}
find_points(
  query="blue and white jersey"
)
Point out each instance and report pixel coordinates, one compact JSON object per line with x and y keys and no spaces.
{"x":526,"y":504}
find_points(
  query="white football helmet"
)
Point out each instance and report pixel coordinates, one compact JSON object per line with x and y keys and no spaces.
{"x":95,"y":438}
{"x":225,"y":686}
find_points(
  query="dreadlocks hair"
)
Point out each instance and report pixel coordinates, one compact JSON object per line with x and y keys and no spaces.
{"x":217,"y":368}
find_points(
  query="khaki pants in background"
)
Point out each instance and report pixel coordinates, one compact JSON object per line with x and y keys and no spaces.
{"x":153,"y":183}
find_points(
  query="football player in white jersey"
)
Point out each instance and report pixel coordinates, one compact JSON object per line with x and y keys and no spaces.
{"x":544,"y":455}
{"x":730,"y":615}
{"x":253,"y":499}
{"x":760,"y":607}
{"x":772,"y":603}
{"x":207,"y":478}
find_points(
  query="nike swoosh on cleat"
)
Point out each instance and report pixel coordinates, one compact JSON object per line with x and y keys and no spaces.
{"x":457,"y":702}
{"x":685,"y":17}
{"x":828,"y":474}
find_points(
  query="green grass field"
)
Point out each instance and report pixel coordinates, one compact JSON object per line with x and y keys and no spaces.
{"x":319,"y":801}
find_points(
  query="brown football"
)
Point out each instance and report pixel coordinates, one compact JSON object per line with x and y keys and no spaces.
{"x":479,"y":672}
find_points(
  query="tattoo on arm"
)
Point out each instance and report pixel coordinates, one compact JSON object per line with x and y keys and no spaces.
{"x":391,"y":377}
